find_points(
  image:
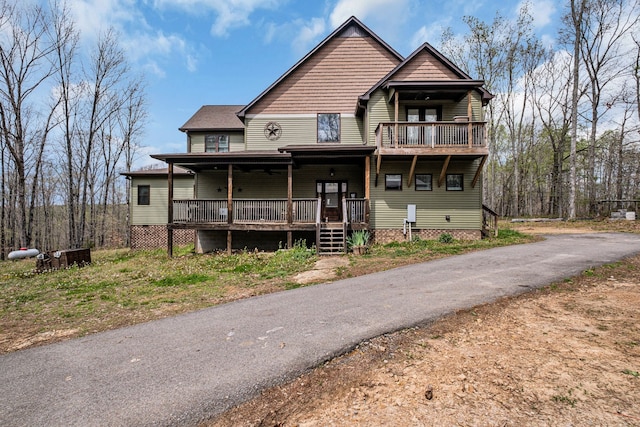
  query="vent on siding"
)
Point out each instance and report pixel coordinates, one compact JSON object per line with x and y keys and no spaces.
{"x":353,"y":30}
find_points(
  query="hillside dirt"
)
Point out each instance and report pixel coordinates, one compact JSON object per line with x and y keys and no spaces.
{"x":568,"y":354}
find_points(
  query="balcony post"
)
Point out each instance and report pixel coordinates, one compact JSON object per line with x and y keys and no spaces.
{"x":397,"y":115}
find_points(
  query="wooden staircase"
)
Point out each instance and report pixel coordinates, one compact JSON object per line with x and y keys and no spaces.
{"x":331,"y":238}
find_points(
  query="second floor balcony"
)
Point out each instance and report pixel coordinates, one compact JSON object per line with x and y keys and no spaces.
{"x":436,"y":138}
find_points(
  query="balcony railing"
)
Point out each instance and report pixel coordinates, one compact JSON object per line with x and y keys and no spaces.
{"x":431,"y":135}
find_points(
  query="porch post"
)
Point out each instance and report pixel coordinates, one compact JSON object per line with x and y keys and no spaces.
{"x":367,"y":186}
{"x":289,"y":204}
{"x":367,"y":177}
{"x":229,"y":204}
{"x":170,"y":211}
{"x":470,"y":115}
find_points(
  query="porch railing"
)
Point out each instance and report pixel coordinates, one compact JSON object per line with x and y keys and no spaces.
{"x":357,"y":210}
{"x":200,"y":211}
{"x":304,"y":210}
{"x":245,"y":211}
{"x":251,"y":211}
{"x":431,"y":134}
{"x":258,"y":210}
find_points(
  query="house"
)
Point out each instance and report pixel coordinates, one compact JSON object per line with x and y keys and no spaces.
{"x":353,"y":136}
{"x":148,"y":201}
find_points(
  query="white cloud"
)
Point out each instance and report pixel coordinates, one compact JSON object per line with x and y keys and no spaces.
{"x":140,"y":41}
{"x":152,"y":67}
{"x":95,"y":16}
{"x":542,"y":11}
{"x":229,"y":13}
{"x":301,"y":34}
{"x":431,"y":34}
{"x":308,"y":34}
{"x":376,"y":9}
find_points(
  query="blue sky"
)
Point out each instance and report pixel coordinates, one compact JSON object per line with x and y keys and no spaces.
{"x":196,"y":52}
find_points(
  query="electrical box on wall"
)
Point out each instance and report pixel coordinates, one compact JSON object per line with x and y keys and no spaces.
{"x":411,"y":213}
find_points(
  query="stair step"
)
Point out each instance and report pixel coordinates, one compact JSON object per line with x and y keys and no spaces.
{"x":331,"y":239}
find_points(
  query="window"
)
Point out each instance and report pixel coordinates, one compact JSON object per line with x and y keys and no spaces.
{"x":329,"y":127}
{"x":144,"y":192}
{"x":216,"y":143}
{"x":393,"y":182}
{"x":455,"y":182}
{"x":423,"y":182}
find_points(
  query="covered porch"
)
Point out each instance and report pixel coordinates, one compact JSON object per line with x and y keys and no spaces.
{"x":294,"y":190}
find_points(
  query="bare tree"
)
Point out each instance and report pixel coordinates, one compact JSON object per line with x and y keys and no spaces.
{"x":482,"y":54}
{"x":605,"y":26}
{"x":573,"y":33}
{"x":25,"y":67}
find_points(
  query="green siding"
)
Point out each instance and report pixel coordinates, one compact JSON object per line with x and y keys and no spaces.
{"x":156,"y":212}
{"x":246,"y":185}
{"x":298,"y":130}
{"x":379,"y":111}
{"x":236,"y":141}
{"x":263,"y":185}
{"x":388,"y":208}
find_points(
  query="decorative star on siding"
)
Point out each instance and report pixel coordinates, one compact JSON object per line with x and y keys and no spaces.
{"x":272,"y":131}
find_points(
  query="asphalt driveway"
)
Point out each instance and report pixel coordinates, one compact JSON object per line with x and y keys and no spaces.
{"x":179,"y":370}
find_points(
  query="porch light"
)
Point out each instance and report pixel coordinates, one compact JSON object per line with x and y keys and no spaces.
{"x":332,"y":172}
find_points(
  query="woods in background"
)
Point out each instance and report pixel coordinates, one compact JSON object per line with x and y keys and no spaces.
{"x":70,"y":121}
{"x":563,"y":127}
{"x":564,"y":123}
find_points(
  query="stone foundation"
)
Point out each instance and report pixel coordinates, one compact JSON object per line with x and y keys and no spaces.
{"x":383,"y":236}
{"x":155,"y":236}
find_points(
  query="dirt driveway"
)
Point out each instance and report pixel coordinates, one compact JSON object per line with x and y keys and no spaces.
{"x":568,"y":354}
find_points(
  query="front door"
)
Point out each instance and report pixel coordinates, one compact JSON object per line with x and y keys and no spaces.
{"x":331,"y":194}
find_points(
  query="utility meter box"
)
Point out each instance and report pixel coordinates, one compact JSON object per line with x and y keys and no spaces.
{"x":411,"y":213}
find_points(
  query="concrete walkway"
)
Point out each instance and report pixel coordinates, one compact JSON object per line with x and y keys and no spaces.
{"x":178,"y":371}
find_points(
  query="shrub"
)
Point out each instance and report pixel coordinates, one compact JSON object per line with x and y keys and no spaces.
{"x":358,"y":238}
{"x":445,"y":238}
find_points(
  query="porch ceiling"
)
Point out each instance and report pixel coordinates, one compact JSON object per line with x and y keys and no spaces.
{"x":334,"y":153}
{"x":199,"y":162}
{"x":433,"y":90}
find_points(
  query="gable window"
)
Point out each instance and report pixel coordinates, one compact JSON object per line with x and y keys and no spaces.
{"x":455,"y":182}
{"x":216,"y":143}
{"x":423,"y":182}
{"x":329,"y":127}
{"x":393,"y":182}
{"x":144,"y":193}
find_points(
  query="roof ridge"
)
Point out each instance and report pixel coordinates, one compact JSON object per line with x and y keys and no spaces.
{"x":334,"y":33}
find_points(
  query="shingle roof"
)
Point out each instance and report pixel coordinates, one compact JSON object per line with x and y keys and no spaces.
{"x":177,"y":170}
{"x":214,"y":117}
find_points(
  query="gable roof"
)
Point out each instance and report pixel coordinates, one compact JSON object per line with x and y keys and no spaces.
{"x":461,"y":78}
{"x":214,"y":118}
{"x":351,"y":25}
